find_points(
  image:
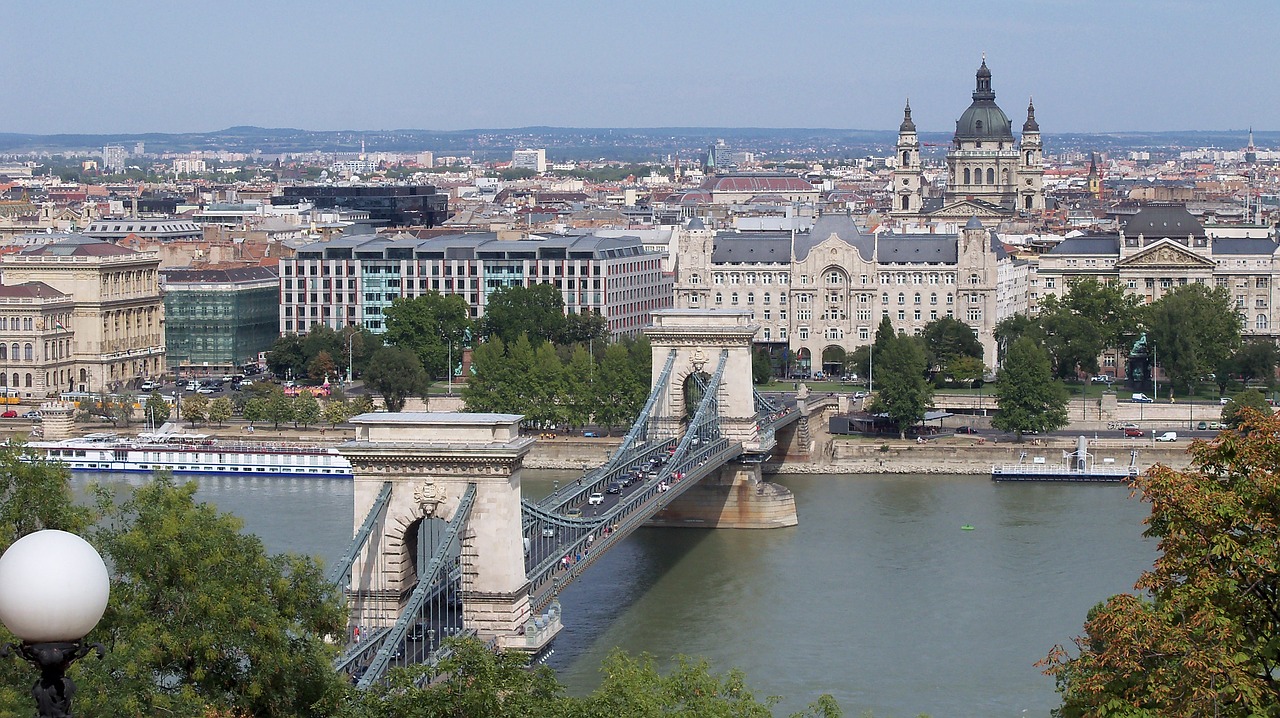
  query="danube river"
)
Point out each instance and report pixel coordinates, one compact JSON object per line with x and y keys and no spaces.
{"x":877,"y":597}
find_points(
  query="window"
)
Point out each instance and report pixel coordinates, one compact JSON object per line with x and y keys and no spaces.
{"x":975,"y":314}
{"x":1260,"y":322}
{"x":864,"y":334}
{"x":719,"y":298}
{"x":902,"y":298}
{"x":933,"y":298}
{"x":767,"y":297}
{"x":917,"y":298}
{"x":803,"y":333}
{"x":718,"y":278}
{"x":695,"y":278}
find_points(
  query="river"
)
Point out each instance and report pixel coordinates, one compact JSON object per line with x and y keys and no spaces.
{"x":878,"y":597}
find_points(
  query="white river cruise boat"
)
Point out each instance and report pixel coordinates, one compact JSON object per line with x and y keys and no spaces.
{"x":193,"y":454}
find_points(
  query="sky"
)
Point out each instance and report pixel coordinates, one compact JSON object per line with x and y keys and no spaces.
{"x":129,"y":66}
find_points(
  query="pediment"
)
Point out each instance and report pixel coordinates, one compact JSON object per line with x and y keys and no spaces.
{"x":1166,"y":254}
{"x":966,"y":209}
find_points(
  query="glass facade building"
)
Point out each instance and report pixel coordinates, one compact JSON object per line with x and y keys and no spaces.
{"x":391,"y":205}
{"x":220,"y":316}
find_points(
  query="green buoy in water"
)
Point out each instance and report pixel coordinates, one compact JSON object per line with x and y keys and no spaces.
{"x":966,"y":527}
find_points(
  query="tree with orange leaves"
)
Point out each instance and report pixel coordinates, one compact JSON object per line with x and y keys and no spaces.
{"x":1205,"y":641}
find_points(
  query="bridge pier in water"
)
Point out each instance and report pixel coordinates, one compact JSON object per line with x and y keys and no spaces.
{"x":432,"y":460}
{"x":735,"y":497}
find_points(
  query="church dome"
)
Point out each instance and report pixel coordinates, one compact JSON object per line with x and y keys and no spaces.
{"x":984,"y":120}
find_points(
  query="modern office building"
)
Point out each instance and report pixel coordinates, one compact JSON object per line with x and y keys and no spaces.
{"x":219,"y":317}
{"x":160,"y":230}
{"x":387,"y":205}
{"x":352,"y":279}
{"x":535,"y":160}
{"x":117,"y":316}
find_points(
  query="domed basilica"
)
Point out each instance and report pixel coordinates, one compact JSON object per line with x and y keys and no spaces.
{"x":990,"y":174}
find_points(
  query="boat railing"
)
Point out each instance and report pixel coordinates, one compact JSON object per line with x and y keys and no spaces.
{"x":229,"y":447}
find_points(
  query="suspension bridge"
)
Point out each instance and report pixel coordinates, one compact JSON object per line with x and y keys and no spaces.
{"x":445,"y":545}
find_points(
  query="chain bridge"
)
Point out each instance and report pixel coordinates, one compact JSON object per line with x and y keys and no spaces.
{"x":445,"y":545}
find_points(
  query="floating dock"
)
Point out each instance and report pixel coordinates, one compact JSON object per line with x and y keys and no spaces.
{"x":1077,"y":466}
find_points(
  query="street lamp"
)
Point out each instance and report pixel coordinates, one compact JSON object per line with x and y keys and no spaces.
{"x":53,"y":590}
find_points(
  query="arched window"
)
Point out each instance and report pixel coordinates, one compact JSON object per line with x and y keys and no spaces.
{"x":733,"y":298}
{"x":917,"y":299}
{"x":1026,"y":203}
{"x":974,"y":279}
{"x":28,"y":384}
{"x":991,"y":176}
{"x":751,"y":297}
{"x":1260,"y":322}
{"x":15,"y":351}
{"x":902,"y":298}
{"x":4,"y":352}
{"x":28,"y":354}
{"x":15,"y":379}
{"x":719,"y":298}
{"x":966,"y":175}
{"x":906,"y":157}
{"x":906,"y":202}
{"x":4,"y":379}
{"x":1029,"y":155}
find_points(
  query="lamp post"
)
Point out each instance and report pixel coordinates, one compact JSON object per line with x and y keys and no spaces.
{"x":449,"y":369}
{"x":53,"y":590}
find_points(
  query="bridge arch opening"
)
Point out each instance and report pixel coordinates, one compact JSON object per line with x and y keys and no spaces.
{"x":693,"y":390}
{"x":440,"y":614}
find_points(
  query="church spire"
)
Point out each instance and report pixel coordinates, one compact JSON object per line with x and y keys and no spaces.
{"x":907,"y":124}
{"x":983,"y":89}
{"x":1031,"y":125}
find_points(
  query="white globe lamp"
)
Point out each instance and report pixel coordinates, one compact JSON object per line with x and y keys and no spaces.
{"x":53,"y":590}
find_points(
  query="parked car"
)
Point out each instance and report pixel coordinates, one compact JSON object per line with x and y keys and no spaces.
{"x":1142,"y":398}
{"x":595,"y":499}
{"x":1216,"y":426}
{"x":150,"y":385}
{"x":1223,"y":400}
{"x":1101,"y":379}
{"x":590,"y":434}
{"x":33,"y":414}
{"x":1202,"y":426}
{"x":966,"y":430}
{"x":1168,"y":436}
{"x":10,"y":414}
{"x":1132,"y":432}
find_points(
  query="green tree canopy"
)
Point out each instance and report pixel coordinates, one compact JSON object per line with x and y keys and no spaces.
{"x":279,"y":408}
{"x":1191,"y":331}
{"x":255,"y":410}
{"x":1113,"y":311}
{"x":157,"y":410}
{"x":486,"y":390}
{"x":1031,"y":399}
{"x":306,"y":409}
{"x":947,"y":338}
{"x":396,"y":374}
{"x":1207,"y":641}
{"x":761,"y":367}
{"x":202,"y":621}
{"x":1072,"y":341}
{"x":902,"y":390}
{"x":537,"y":311}
{"x":426,"y":325}
{"x":220,"y":410}
{"x":1235,"y":410}
{"x":584,"y":327}
{"x":195,"y":408}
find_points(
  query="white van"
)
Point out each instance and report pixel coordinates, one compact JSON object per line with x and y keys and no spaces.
{"x":1142,"y":398}
{"x":1168,"y":436}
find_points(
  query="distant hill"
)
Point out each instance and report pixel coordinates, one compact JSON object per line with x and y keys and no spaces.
{"x":577,"y":143}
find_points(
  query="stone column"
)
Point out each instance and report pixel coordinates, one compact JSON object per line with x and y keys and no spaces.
{"x":57,"y":419}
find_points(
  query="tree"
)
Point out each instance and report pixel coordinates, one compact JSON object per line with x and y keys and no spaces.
{"x":1012,"y":328}
{"x":584,"y":327}
{"x":1030,"y":398}
{"x":255,"y":410}
{"x":220,"y":410}
{"x":306,"y":410}
{"x":157,"y":410}
{"x":285,"y":357}
{"x":121,"y":409}
{"x":35,"y":494}
{"x":578,"y":398}
{"x":1207,"y":641}
{"x":1113,"y":311}
{"x":195,"y":408}
{"x":901,"y":389}
{"x":615,"y":387}
{"x":1073,"y":342}
{"x":483,"y":391}
{"x":537,"y":311}
{"x":202,"y":621}
{"x":761,"y":367}
{"x":964,"y":370}
{"x":1192,"y":330}
{"x":362,"y":404}
{"x":321,"y":367}
{"x":396,"y":374}
{"x":476,"y":681}
{"x":1235,"y":410}
{"x":336,"y":412}
{"x":1255,"y":360}
{"x":544,"y":387}
{"x":426,"y":325}
{"x":948,"y":338}
{"x":279,"y":408}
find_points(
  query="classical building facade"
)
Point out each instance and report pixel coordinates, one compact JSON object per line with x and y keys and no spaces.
{"x":352,"y":279}
{"x":990,"y":174}
{"x":36,"y":340}
{"x":1162,"y":247}
{"x":830,"y":287}
{"x":117,"y":316}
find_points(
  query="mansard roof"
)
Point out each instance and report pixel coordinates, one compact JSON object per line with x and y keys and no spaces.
{"x":751,"y":248}
{"x":912,"y":248}
{"x":1255,"y":246}
{"x":1154,"y":221}
{"x":1108,"y":245}
{"x":841,"y":225}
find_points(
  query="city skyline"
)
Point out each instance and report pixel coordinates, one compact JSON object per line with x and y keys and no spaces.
{"x":1091,"y":66}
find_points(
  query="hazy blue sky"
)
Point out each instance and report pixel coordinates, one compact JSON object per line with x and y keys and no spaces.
{"x":1092,"y":65}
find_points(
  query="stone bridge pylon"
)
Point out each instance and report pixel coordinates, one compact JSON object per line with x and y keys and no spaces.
{"x":431,"y":460}
{"x":698,"y":337}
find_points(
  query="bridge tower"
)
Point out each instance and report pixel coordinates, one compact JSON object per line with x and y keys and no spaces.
{"x":698,"y":336}
{"x":431,"y":460}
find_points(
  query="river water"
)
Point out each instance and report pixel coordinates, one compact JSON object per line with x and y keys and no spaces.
{"x":878,"y":596}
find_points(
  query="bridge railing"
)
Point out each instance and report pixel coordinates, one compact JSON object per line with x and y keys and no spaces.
{"x":341,"y":572}
{"x":435,"y":578}
{"x":700,"y":441}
